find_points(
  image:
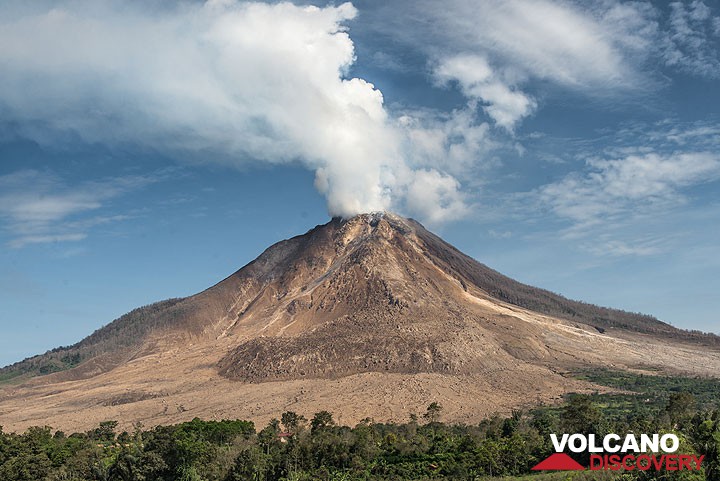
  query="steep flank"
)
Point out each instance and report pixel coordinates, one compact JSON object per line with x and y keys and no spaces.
{"x":379,"y":293}
{"x":119,"y":340}
{"x":368,"y":316}
{"x":328,"y":293}
{"x":501,"y":287}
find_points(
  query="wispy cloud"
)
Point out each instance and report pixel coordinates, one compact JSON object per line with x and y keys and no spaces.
{"x":620,"y":248}
{"x":692,"y":42}
{"x":630,"y":184}
{"x":38,"y":207}
{"x":500,"y":234}
{"x":563,"y":42}
{"x":624,"y":192}
{"x":496,"y":52}
{"x":625,"y":206}
{"x":45,"y":239}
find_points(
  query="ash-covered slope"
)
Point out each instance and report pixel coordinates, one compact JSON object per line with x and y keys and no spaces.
{"x":375,"y":292}
{"x":182,"y":318}
{"x":380,"y":293}
{"x":372,"y":316}
{"x":503,"y":288}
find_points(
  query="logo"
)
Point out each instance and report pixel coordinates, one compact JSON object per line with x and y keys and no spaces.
{"x":616,"y":453}
{"x":559,"y":462}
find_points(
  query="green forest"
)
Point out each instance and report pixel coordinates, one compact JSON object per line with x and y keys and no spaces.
{"x":295,"y":447}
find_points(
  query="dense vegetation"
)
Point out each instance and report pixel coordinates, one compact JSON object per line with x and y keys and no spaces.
{"x":293,"y":448}
{"x":649,"y":393}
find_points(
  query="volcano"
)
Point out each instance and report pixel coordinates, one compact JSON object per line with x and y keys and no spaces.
{"x":372,"y":316}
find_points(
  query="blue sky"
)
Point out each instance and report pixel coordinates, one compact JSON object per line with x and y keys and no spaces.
{"x":149,"y":149}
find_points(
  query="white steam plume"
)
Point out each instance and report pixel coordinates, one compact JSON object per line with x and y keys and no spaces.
{"x":225,"y":80}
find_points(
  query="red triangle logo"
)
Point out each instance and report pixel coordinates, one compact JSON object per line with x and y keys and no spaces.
{"x":559,"y":462}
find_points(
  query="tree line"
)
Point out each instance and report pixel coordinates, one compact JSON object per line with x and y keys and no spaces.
{"x":294,"y":448}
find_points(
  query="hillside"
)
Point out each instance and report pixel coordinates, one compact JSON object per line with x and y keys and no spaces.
{"x":369,"y":311}
{"x":116,"y":341}
{"x":112,"y":343}
{"x":540,"y":300}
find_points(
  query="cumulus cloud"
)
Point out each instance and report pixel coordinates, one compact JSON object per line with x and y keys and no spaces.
{"x":435,"y":196}
{"x":454,"y":142}
{"x":222,"y":81}
{"x":477,"y":80}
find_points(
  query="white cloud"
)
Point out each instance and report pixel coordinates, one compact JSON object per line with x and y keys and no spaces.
{"x":498,"y":50}
{"x":628,"y":185}
{"x":454,"y":143}
{"x":692,"y":42}
{"x":226,"y":81}
{"x":667,"y":135}
{"x":618,"y":248}
{"x":701,"y":133}
{"x":585,"y":47}
{"x":29,"y":198}
{"x":38,"y":207}
{"x":239,"y":82}
{"x":500,"y":234}
{"x":45,"y":239}
{"x":435,"y":197}
{"x":653,"y":175}
{"x":624,"y":206}
{"x":477,"y":80}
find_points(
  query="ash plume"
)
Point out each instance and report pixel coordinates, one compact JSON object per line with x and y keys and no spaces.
{"x":231,"y":82}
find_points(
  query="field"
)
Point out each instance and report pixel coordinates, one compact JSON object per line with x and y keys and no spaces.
{"x":294,"y":448}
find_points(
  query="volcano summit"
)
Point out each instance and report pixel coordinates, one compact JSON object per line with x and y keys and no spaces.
{"x":372,"y":316}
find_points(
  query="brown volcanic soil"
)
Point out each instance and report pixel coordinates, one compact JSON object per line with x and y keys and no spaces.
{"x":370,"y":317}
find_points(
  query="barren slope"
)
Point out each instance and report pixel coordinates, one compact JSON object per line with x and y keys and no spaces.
{"x":373,"y":316}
